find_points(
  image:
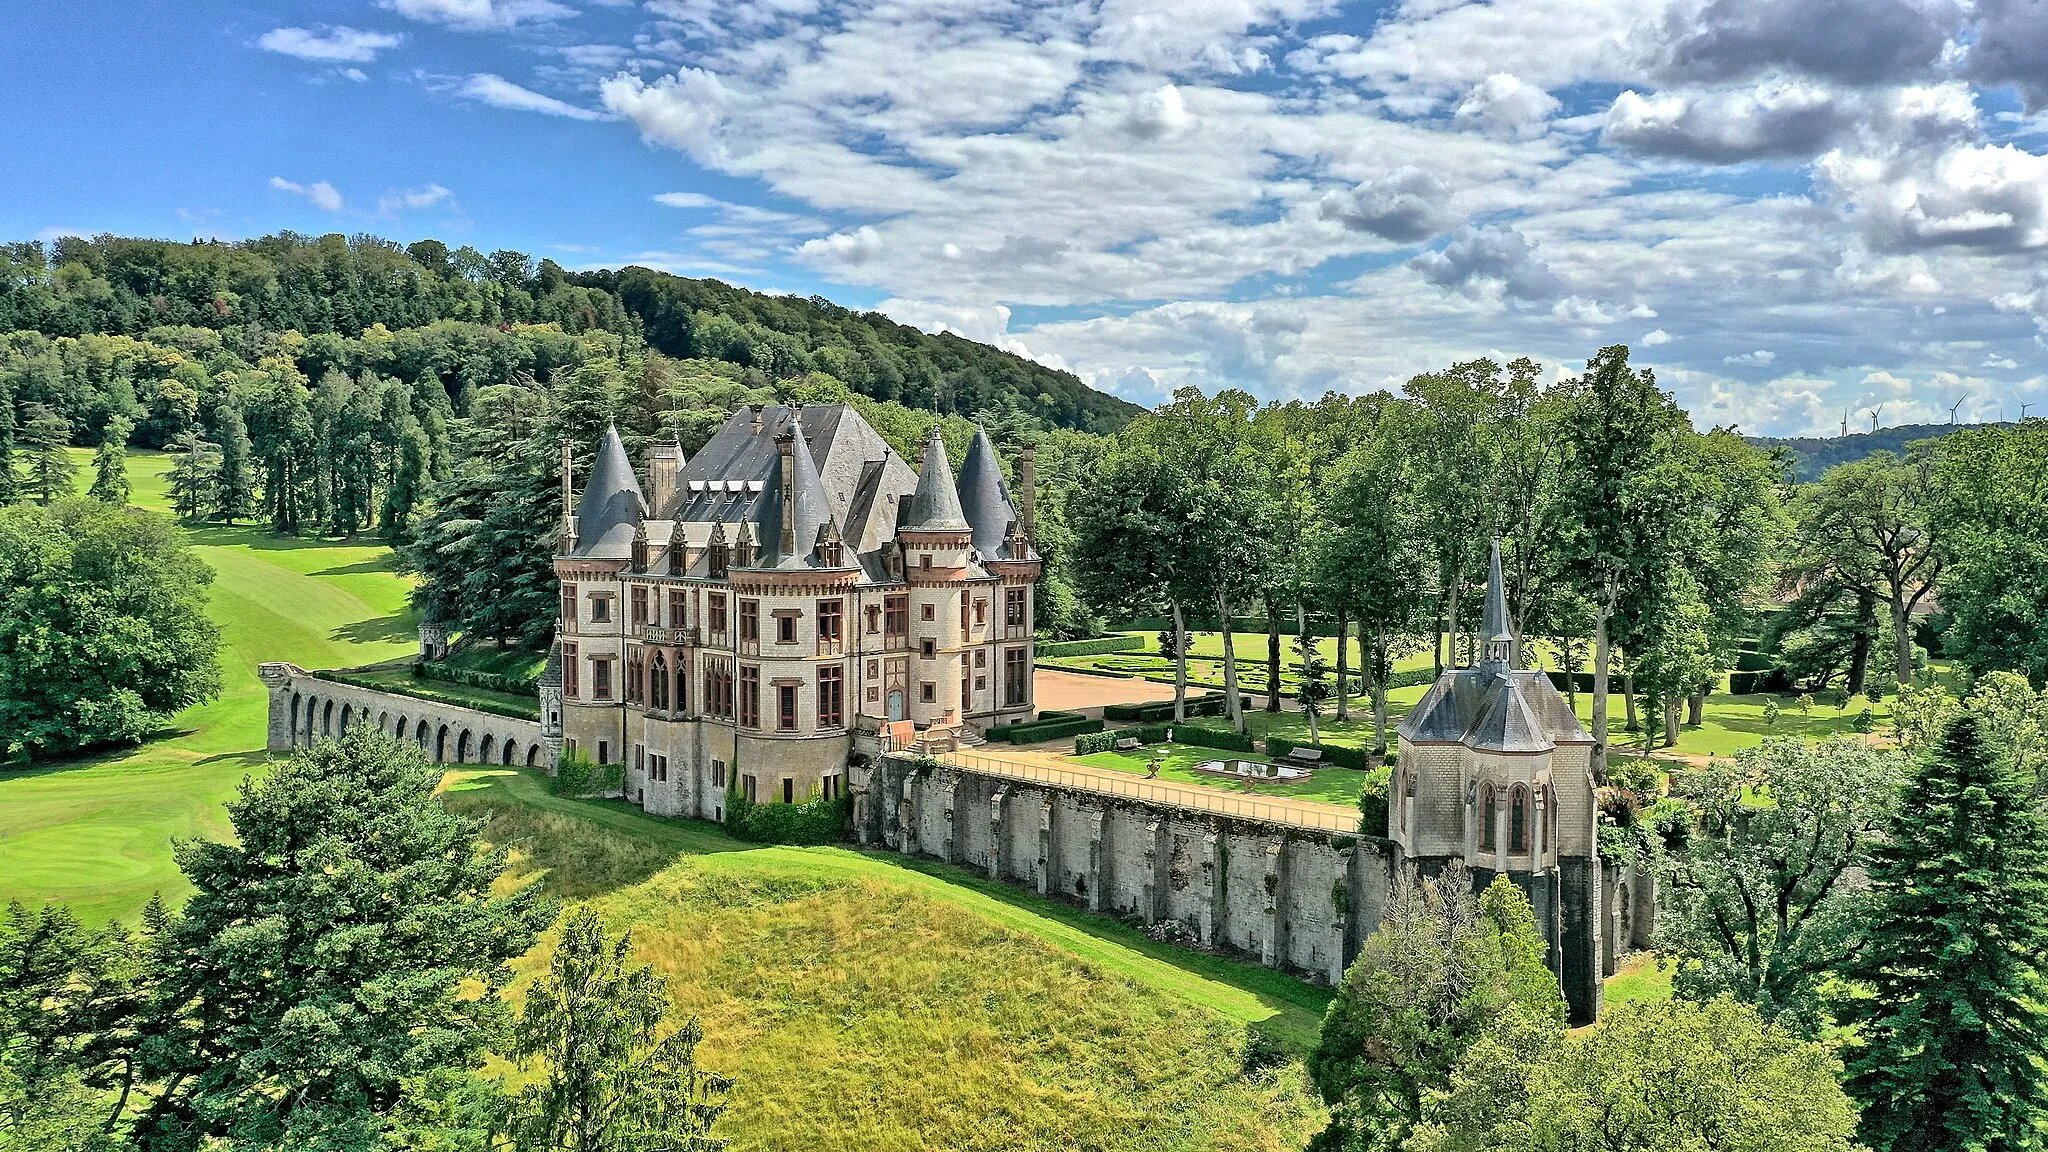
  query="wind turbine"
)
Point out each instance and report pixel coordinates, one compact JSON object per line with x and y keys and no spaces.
{"x":1874,"y":414}
{"x":2024,"y":405}
{"x":1958,"y":404}
{"x":1845,"y":421}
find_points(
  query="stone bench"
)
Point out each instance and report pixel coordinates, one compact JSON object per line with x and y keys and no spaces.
{"x":1128,"y":744}
{"x":1309,"y":756}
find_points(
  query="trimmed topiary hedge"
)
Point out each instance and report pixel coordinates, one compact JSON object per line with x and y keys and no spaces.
{"x":1154,"y":711}
{"x":1750,"y":660}
{"x":1748,"y":683}
{"x":496,"y":682}
{"x":1205,"y":737}
{"x":1093,"y":646}
{"x":423,"y":690}
{"x":1338,"y":755}
{"x":1088,"y":743}
{"x":1039,"y":730}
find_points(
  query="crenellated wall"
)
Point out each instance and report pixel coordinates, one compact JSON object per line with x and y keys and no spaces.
{"x":1295,"y":898}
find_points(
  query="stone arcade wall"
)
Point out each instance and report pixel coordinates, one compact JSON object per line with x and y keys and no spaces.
{"x":304,"y":707}
{"x":1298,"y":899}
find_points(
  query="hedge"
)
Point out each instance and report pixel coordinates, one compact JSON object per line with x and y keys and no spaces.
{"x":1339,"y":755}
{"x":1093,"y":646}
{"x":1750,"y":660}
{"x":1154,"y":711}
{"x":1563,"y":681}
{"x":1748,"y":683}
{"x":1091,"y":742}
{"x":1372,"y":804}
{"x":815,"y":821}
{"x":495,"y":681}
{"x":1039,"y":730}
{"x":577,"y":776}
{"x":1204,"y":737}
{"x":429,"y":695}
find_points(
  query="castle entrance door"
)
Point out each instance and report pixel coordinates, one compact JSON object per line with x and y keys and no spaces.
{"x":895,"y":704}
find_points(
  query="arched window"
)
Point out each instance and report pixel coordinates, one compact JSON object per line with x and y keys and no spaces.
{"x":657,"y":684}
{"x":1492,"y":812}
{"x":1518,"y":819}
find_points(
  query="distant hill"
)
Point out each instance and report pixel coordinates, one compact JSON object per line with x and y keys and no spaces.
{"x":345,"y":285}
{"x":1813,"y":455}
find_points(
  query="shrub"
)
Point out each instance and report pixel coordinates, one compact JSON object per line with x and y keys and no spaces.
{"x":813,"y":821}
{"x":1749,"y":683}
{"x":1201,"y":736}
{"x":1392,"y":757}
{"x":1339,"y":755}
{"x":1750,"y":660}
{"x":1037,"y":730}
{"x":470,"y":677}
{"x":1372,"y":804}
{"x":1636,"y":775}
{"x":1864,"y":721}
{"x":1093,"y":646}
{"x":575,"y":775}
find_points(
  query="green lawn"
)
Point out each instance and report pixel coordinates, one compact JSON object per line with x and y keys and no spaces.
{"x":488,"y":657}
{"x":96,"y":833}
{"x":1330,"y":785}
{"x":870,"y":1001}
{"x":1640,"y":977}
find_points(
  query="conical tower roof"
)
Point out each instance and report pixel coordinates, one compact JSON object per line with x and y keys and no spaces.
{"x":1495,"y":635}
{"x":984,"y":497}
{"x":810,"y":508}
{"x":612,"y":505}
{"x":935,"y":506}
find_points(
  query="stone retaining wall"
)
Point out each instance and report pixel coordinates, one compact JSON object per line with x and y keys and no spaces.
{"x":1295,"y":899}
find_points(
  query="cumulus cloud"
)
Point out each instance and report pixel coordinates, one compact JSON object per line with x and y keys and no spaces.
{"x":860,"y":246}
{"x":2031,"y":301}
{"x":682,"y":110}
{"x":1494,"y":261}
{"x":1504,"y":103}
{"x":1858,"y":42}
{"x":1406,"y":205}
{"x":480,"y":15}
{"x":329,"y":45}
{"x":1780,"y":120}
{"x":1990,"y":197}
{"x":498,"y":92}
{"x":2012,"y":48}
{"x":320,"y":193}
{"x":1655,"y":337}
{"x":1160,"y":112}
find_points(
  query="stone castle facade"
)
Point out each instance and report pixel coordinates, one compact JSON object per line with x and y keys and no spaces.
{"x":1496,"y":775}
{"x":734,"y":623}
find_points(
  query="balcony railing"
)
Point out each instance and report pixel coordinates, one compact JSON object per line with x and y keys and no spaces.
{"x":680,"y":637}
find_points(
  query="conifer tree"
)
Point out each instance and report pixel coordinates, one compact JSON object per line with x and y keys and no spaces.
{"x":234,"y":486}
{"x":46,"y":466}
{"x":1954,"y":1054}
{"x":10,"y":489}
{"x":110,"y":463}
{"x":193,"y":476}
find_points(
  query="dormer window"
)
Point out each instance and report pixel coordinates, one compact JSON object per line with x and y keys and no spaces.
{"x":720,"y":560}
{"x":832,"y":553}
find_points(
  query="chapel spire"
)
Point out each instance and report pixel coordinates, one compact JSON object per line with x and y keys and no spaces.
{"x":1498,"y":638}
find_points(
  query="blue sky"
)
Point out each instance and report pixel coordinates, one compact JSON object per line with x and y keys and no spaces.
{"x":1788,"y":207}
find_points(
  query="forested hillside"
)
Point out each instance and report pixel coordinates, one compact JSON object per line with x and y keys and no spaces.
{"x":1813,"y":455}
{"x":344,"y":286}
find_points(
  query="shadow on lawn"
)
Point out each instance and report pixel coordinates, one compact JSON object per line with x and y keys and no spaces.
{"x":397,"y":626}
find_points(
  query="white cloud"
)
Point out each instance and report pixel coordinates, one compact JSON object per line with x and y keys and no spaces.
{"x":412,"y":199}
{"x":1492,"y":261}
{"x":480,"y":15}
{"x":332,"y":45}
{"x":1655,"y":337}
{"x":1504,"y":102}
{"x":681,"y":110}
{"x":1160,"y":112}
{"x":499,"y":92}
{"x":1759,"y":358}
{"x":320,"y":193}
{"x":1406,"y":205}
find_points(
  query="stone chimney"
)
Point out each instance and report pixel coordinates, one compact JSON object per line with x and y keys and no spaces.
{"x":785,"y":448}
{"x":663,"y":462}
{"x":568,"y":498}
{"x":1027,"y":481}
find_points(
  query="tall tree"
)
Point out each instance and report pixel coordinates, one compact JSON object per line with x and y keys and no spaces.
{"x":1455,"y":451}
{"x":349,"y":939}
{"x":234,"y":479}
{"x":1372,"y":550}
{"x":1761,"y":899}
{"x":10,"y":484}
{"x":110,"y":463}
{"x":46,"y":465}
{"x":611,"y":1078}
{"x":1992,"y":488}
{"x":1953,"y":1031}
{"x":1877,"y":516}
{"x":1624,"y":485}
{"x":194,"y":476}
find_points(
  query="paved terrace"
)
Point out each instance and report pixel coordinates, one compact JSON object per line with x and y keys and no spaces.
{"x":1049,"y":768}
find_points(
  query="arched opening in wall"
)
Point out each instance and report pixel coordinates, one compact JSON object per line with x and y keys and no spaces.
{"x":421,"y":729}
{"x":441,"y":744}
{"x":384,"y":723}
{"x":532,"y":755}
{"x":462,"y":747}
{"x":292,"y":733}
{"x":484,"y":750}
{"x":1490,"y":817}
{"x":347,"y":714}
{"x":399,"y":732}
{"x":511,"y":749}
{"x":327,"y":718}
{"x":1518,"y":819}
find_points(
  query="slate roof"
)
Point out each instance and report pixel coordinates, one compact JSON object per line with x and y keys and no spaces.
{"x":612,"y":506}
{"x":985,"y":498}
{"x":811,"y":509}
{"x":551,"y":675}
{"x":1488,"y":711}
{"x":935,"y":506}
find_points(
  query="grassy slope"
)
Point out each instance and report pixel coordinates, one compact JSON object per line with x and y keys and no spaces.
{"x":96,"y":833}
{"x":869,"y":1001}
